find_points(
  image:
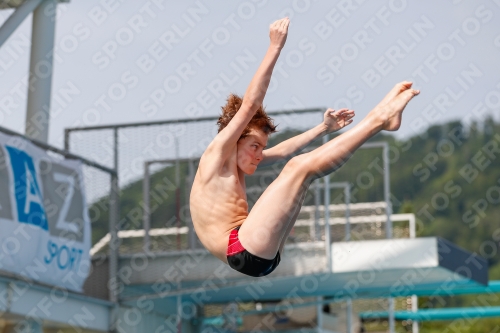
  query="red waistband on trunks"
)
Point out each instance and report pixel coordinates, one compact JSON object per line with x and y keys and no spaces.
{"x":234,"y":245}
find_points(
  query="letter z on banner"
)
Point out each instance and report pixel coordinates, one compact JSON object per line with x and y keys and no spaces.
{"x":44,"y":223}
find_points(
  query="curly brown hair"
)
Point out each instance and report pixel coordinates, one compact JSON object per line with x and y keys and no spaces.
{"x":260,"y":120}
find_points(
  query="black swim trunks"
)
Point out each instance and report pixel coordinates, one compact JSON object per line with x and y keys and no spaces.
{"x":244,"y":262}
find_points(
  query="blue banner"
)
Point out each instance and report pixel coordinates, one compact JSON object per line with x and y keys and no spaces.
{"x":45,"y":228}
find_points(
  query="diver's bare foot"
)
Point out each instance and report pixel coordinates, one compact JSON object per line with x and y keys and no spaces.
{"x":398,"y":88}
{"x":390,"y":109}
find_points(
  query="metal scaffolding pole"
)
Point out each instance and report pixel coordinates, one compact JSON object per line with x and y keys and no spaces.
{"x":146,"y":213}
{"x":349,"y":315}
{"x":40,"y":76}
{"x":388,"y":225}
{"x":347,"y":237}
{"x":387,"y":192}
{"x":388,"y":211}
{"x":414,"y":298}
{"x":16,"y":18}
{"x":114,"y":242}
{"x":179,"y":314}
{"x":328,"y":242}
{"x":114,"y":213}
{"x":191,"y":235}
{"x":347,"y":194}
{"x":315,"y":230}
{"x":177,"y":192}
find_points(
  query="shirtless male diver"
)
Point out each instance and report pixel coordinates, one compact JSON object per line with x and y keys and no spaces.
{"x":252,"y":242}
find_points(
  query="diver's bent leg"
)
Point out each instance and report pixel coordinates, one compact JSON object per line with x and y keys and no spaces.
{"x":265,"y":228}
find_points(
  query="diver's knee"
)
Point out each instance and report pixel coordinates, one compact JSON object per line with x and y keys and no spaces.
{"x":296,"y":166}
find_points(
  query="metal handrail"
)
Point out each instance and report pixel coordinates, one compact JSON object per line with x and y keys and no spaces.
{"x":62,"y":152}
{"x":182,"y":120}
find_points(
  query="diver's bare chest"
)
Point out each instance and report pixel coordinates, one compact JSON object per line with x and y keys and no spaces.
{"x":233,"y":187}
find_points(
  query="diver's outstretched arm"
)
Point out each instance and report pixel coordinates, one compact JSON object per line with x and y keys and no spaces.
{"x":256,"y":91}
{"x":333,"y":120}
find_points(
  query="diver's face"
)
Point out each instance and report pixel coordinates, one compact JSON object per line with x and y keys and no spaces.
{"x":250,"y":150}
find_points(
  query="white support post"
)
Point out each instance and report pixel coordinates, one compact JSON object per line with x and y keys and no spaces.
{"x":349,"y":315}
{"x":414,"y":308}
{"x":412,"y":226}
{"x":40,"y":77}
{"x":16,"y":18}
{"x":319,"y":316}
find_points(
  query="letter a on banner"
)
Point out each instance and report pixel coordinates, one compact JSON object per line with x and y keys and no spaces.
{"x":28,"y":196}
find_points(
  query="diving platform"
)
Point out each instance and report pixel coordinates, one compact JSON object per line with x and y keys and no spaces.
{"x":357,"y":269}
{"x":24,"y":299}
